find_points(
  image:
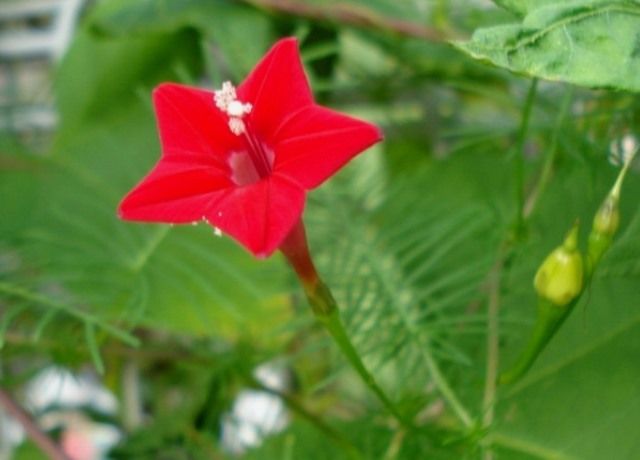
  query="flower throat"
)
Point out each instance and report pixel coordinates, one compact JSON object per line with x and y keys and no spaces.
{"x":256,"y":163}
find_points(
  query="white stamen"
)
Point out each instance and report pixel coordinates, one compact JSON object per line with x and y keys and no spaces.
{"x":238,"y":109}
{"x":217,"y":231}
{"x":227,"y":101}
{"x":225,"y":96}
{"x":236,"y":125}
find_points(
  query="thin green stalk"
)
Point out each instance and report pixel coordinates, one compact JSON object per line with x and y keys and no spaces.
{"x":326,"y":311}
{"x":493,"y":345}
{"x":523,"y":210}
{"x":550,"y":318}
{"x":87,"y":318}
{"x":445,"y":389}
{"x":547,"y":166}
{"x":495,"y":275}
{"x":527,"y":447}
{"x":438,"y":378}
{"x":334,"y":325}
{"x":519,"y":152}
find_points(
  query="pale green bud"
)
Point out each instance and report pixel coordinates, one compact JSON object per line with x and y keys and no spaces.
{"x":559,"y":279}
{"x":605,"y":226}
{"x":607,"y":219}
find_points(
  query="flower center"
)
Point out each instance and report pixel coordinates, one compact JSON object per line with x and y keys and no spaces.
{"x":249,"y":166}
{"x":256,"y":162}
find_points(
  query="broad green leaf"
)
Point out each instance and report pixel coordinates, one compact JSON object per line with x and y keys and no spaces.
{"x":241,"y":33}
{"x":589,"y":43}
{"x":581,"y":400}
{"x":120,"y":68}
{"x":18,"y":189}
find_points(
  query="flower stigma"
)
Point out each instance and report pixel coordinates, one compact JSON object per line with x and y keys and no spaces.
{"x":256,"y":162}
{"x":227,"y":101}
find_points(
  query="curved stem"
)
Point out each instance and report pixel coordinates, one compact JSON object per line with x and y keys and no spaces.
{"x":333,"y":324}
{"x":325,"y":309}
{"x":550,"y":318}
{"x":519,"y":152}
{"x":445,"y":389}
{"x":547,"y":166}
{"x":353,"y":16}
{"x":493,"y":342}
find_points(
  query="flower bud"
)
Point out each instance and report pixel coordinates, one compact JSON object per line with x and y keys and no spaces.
{"x":559,"y":278}
{"x":606,"y":221}
{"x":605,"y":225}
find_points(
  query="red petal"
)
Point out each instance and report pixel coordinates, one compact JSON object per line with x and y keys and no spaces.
{"x":259,"y":215}
{"x":277,"y":87}
{"x":191,"y":124}
{"x":175,"y":191}
{"x":316,"y":142}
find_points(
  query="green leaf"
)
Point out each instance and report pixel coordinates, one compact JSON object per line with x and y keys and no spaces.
{"x":241,"y":33}
{"x":589,"y":43}
{"x":581,"y":400}
{"x":120,"y":69}
{"x":18,"y":180}
{"x":584,"y":382}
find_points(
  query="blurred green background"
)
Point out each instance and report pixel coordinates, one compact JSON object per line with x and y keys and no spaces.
{"x":411,"y":236}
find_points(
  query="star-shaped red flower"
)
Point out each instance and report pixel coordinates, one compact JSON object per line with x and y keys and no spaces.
{"x":242,"y":159}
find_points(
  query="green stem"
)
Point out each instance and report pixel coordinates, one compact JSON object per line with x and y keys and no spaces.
{"x":519,"y":165}
{"x":547,"y":166}
{"x":325,"y":309}
{"x":550,"y":318}
{"x":87,"y":318}
{"x":493,"y":344}
{"x":445,"y":389}
{"x":334,"y":325}
{"x":524,"y":446}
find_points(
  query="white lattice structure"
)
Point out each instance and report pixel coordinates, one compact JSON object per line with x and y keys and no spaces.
{"x":34,"y":35}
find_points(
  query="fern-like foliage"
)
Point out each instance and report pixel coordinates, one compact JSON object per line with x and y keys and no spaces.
{"x":406,"y":269}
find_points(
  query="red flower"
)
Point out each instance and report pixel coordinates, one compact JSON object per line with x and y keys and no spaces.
{"x":242,"y":159}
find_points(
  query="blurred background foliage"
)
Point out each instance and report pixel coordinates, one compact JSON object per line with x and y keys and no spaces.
{"x":416,"y":237}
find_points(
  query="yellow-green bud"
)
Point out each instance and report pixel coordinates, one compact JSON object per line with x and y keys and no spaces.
{"x":607,"y":219}
{"x":559,"y":278}
{"x":605,"y":226}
